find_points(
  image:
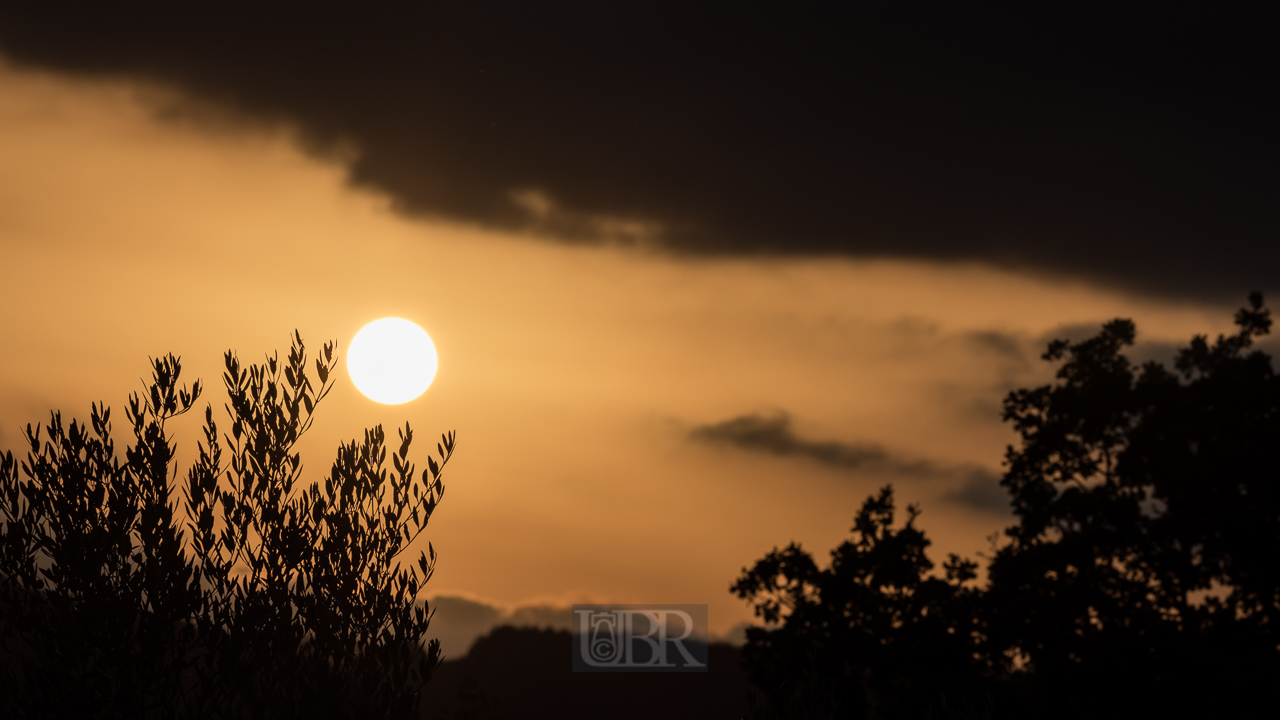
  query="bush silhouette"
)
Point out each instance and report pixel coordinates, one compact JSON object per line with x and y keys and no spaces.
{"x":1140,"y":576}
{"x":256,"y":597}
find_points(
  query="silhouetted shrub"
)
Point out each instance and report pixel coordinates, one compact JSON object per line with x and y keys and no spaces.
{"x":277,"y":600}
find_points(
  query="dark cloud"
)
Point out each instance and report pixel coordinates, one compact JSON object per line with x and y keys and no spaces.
{"x":1134,"y":146}
{"x":773,"y":434}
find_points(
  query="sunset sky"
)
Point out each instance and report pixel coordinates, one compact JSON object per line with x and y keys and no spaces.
{"x":699,"y":283}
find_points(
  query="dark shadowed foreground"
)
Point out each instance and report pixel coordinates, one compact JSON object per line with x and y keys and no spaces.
{"x":526,"y":674}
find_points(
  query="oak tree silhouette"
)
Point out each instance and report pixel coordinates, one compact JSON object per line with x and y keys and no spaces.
{"x":1140,"y":576}
{"x":1142,"y":572}
{"x":257,"y":597}
{"x":870,"y":634}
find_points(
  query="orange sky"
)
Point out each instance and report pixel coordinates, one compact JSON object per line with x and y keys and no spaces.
{"x":572,"y":374}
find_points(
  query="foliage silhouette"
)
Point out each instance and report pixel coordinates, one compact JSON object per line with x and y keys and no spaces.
{"x":877,"y":630}
{"x":1143,"y":568}
{"x":1140,"y":576}
{"x":289,"y":600}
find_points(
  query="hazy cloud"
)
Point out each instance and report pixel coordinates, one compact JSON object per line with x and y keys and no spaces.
{"x":559,"y":617}
{"x":1136,"y":148}
{"x":773,"y":434}
{"x":458,"y":621}
{"x":981,"y":491}
{"x":1007,"y":346}
{"x":735,"y":635}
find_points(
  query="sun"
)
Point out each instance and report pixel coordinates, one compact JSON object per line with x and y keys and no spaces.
{"x":391,"y":361}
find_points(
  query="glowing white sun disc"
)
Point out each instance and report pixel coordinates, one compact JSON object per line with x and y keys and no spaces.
{"x":391,"y":361}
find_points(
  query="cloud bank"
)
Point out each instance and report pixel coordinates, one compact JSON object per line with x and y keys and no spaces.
{"x":1135,"y":148}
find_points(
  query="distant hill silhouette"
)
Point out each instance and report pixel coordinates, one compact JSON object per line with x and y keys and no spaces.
{"x":525,"y":674}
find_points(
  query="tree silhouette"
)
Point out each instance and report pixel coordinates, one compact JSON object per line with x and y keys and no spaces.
{"x":871,"y":635}
{"x":283,"y":599}
{"x":1143,"y":567}
{"x":1140,"y":577}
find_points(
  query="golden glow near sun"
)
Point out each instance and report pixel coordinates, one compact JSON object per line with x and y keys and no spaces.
{"x":391,"y":361}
